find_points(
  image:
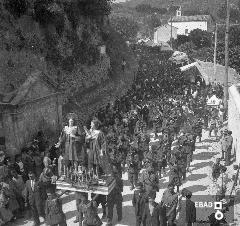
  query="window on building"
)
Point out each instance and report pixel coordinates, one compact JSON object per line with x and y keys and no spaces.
{"x":186,"y":31}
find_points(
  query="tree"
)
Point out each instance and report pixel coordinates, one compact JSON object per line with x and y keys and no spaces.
{"x":126,"y":26}
{"x":144,"y":8}
{"x":234,"y":13}
{"x":234,"y":34}
{"x":181,"y":39}
{"x":200,"y":38}
{"x":187,"y":48}
{"x":150,"y":22}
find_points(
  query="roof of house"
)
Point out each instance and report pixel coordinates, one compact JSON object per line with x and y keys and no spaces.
{"x":165,"y":25}
{"x":16,"y":96}
{"x":190,"y":18}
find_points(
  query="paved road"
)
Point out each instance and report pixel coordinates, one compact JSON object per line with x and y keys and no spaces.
{"x":198,"y":181}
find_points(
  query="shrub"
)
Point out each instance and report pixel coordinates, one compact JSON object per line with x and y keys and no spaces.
{"x":16,"y":7}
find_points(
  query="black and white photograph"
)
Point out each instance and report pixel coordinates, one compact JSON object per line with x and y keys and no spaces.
{"x":120,"y":112}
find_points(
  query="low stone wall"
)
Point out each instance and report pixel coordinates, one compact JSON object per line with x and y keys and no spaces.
{"x":234,"y":118}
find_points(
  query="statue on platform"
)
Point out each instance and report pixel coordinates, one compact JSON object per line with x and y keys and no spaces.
{"x":97,"y":155}
{"x":72,"y":141}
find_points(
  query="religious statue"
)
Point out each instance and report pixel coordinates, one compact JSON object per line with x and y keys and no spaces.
{"x":72,"y":141}
{"x":97,"y":155}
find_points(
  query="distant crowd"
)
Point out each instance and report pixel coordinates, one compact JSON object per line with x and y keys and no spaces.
{"x":160,"y":100}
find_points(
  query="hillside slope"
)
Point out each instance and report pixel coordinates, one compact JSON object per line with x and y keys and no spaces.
{"x":203,"y":5}
{"x":62,"y":39}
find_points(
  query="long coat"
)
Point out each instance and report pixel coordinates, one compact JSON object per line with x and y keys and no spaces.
{"x":187,"y":212}
{"x":72,"y":145}
{"x":97,"y":143}
{"x":35,"y":197}
{"x":158,"y":217}
{"x":139,"y":200}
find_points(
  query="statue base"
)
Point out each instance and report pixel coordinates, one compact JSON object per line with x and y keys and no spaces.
{"x":101,"y":187}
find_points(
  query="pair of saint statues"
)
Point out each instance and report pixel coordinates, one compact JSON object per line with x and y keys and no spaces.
{"x":83,"y":150}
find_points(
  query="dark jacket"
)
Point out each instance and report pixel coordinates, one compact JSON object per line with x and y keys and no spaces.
{"x":187,"y":212}
{"x":53,"y":211}
{"x":139,"y":200}
{"x":150,"y":182}
{"x":36,"y":196}
{"x":158,"y":217}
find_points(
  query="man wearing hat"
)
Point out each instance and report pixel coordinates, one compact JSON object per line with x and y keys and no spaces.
{"x":229,"y":149}
{"x":225,"y":143}
{"x":133,"y":166}
{"x":138,"y":201}
{"x":115,"y":198}
{"x":153,"y":214}
{"x":170,"y":201}
{"x":186,"y":209}
{"x":150,"y":180}
{"x":213,"y":126}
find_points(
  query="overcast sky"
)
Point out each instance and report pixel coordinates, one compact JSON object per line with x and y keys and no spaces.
{"x":117,"y":1}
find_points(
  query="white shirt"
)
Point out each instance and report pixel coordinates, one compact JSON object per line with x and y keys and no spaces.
{"x":32,"y":184}
{"x":20,"y":164}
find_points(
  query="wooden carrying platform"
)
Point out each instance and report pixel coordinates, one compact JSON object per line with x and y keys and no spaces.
{"x":95,"y":189}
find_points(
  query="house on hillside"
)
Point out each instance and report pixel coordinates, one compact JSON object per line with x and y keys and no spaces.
{"x":186,"y":24}
{"x":35,"y":106}
{"x":163,"y":33}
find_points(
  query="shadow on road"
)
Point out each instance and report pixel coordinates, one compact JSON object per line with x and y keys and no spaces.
{"x":196,"y":177}
{"x":201,"y":165}
{"x":203,"y":147}
{"x":196,"y":188}
{"x":70,"y":214}
{"x":127,"y":197}
{"x":204,"y":155}
{"x":208,"y":141}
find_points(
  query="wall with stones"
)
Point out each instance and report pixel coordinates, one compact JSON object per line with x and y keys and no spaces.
{"x":21,"y":126}
{"x":234,"y":118}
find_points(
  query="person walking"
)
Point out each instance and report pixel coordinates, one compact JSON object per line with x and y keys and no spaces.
{"x":170,"y":201}
{"x":229,"y":149}
{"x":153,"y":214}
{"x":124,"y":63}
{"x":34,"y":198}
{"x":115,"y":198}
{"x":139,"y":200}
{"x":53,"y":210}
{"x":186,"y":209}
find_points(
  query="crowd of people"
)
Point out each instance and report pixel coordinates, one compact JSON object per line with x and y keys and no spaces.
{"x":160,"y":100}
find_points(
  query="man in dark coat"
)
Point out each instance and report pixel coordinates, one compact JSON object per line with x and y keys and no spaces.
{"x":187,"y":209}
{"x":115,"y":198}
{"x":229,"y":149}
{"x":153,"y":214}
{"x":34,"y":196}
{"x":133,"y":166}
{"x":150,"y":180}
{"x":139,"y":200}
{"x":169,"y":201}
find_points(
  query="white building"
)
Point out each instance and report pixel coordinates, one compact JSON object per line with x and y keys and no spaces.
{"x":163,"y":33}
{"x":186,"y":24}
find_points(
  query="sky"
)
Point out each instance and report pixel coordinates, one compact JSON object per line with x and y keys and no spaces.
{"x":117,"y":1}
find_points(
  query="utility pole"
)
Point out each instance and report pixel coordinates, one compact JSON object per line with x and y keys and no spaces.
{"x":226,"y":57}
{"x":171,"y":13}
{"x":171,"y":32}
{"x":215,"y":51}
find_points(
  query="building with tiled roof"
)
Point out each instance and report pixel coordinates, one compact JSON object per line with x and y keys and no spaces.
{"x":186,"y":24}
{"x":34,"y":106}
